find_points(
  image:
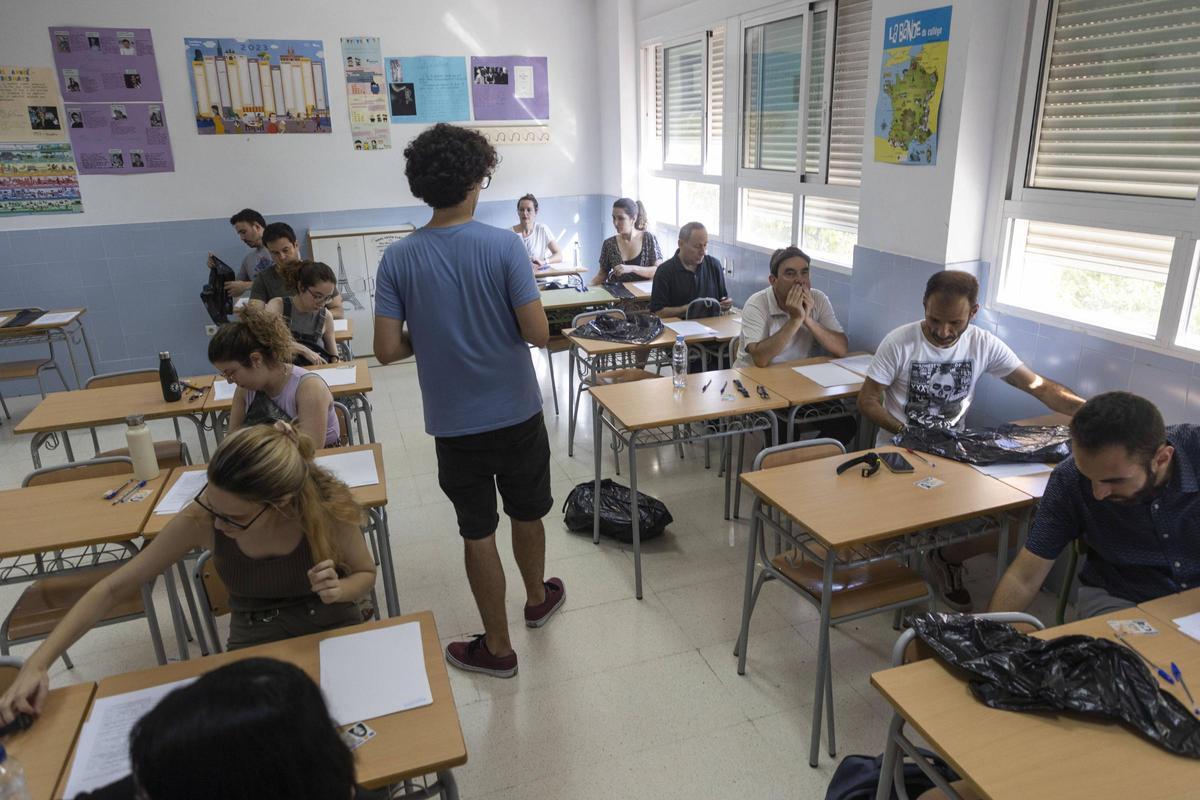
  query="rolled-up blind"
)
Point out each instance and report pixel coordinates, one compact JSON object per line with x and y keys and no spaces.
{"x":772,"y":116}
{"x":847,"y":113}
{"x":684,"y":102}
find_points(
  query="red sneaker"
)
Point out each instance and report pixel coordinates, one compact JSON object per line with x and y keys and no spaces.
{"x":539,"y":615}
{"x":474,"y":656}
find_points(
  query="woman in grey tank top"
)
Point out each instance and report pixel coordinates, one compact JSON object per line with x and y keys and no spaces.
{"x":311,"y":325}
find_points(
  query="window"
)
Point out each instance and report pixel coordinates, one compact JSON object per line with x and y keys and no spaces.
{"x":701,"y":202}
{"x":1100,"y":225}
{"x":830,"y":229}
{"x":716,"y":100}
{"x":814,"y":121}
{"x":771,"y":111}
{"x":684,"y":78}
{"x":847,"y":113}
{"x":765,"y":218}
{"x":658,"y":196}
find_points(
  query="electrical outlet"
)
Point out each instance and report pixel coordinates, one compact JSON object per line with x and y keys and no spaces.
{"x":210,"y":330}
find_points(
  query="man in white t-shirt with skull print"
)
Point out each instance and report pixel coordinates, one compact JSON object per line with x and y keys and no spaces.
{"x":924,"y":375}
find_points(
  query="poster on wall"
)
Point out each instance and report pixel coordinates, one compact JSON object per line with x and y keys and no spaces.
{"x":258,"y":85}
{"x":30,"y":108}
{"x":366,"y":93}
{"x":509,"y":88}
{"x":427,"y":89}
{"x":113,"y":103}
{"x":910,"y":93}
{"x":38,"y":178}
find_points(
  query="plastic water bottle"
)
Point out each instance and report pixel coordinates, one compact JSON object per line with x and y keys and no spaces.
{"x":12,"y":778}
{"x":679,"y":362}
{"x":578,"y":257}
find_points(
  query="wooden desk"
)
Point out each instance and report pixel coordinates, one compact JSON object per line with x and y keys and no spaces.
{"x":559,"y":299}
{"x":798,"y":390}
{"x":47,"y":333}
{"x":559,"y":271}
{"x":45,"y":748}
{"x":1053,"y":418}
{"x":1017,"y":756}
{"x":407,"y":744}
{"x":346,"y":335}
{"x":109,"y":405}
{"x":1172,"y":607}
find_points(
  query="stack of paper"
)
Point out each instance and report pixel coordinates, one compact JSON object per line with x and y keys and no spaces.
{"x":341,"y":325}
{"x":223,"y":389}
{"x":1014,"y":470}
{"x":338,"y":376}
{"x":180,"y":496}
{"x":857,"y":364}
{"x":688,"y":328}
{"x":1189,"y":625}
{"x":828,"y":374}
{"x":645,"y":286}
{"x":102,"y":754}
{"x":373,"y":673}
{"x":55,"y":318}
{"x":352,"y":469}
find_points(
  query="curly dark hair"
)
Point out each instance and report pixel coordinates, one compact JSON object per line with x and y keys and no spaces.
{"x":445,"y":161}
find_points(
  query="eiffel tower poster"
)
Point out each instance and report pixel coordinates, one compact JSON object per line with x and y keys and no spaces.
{"x":349,"y":299}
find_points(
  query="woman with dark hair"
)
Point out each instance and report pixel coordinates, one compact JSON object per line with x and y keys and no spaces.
{"x":536,"y":237}
{"x":311,"y":325}
{"x":256,"y":353}
{"x":251,"y":729}
{"x":286,"y":540}
{"x":633,"y":254}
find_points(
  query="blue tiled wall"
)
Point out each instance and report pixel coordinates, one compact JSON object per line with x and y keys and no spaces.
{"x":141,"y":283}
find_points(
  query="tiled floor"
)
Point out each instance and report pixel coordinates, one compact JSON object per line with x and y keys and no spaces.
{"x":615,"y":697}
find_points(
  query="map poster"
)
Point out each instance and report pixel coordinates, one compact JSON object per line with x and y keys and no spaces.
{"x":366,"y":93}
{"x":30,"y":108}
{"x":509,"y":88}
{"x":427,"y":89}
{"x":38,"y":179}
{"x":242,"y":86}
{"x":910,"y":94}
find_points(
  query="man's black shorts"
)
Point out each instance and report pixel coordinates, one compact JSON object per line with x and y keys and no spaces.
{"x":515,"y":460}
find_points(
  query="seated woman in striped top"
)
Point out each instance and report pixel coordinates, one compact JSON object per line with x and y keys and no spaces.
{"x":285,"y":537}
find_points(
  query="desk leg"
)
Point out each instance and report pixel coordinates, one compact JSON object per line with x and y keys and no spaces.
{"x":756,"y":530}
{"x":449,"y":786}
{"x":160,"y":652}
{"x":87,"y":345}
{"x":198,"y":421}
{"x":66,"y":340}
{"x":635,"y":515}
{"x":597,"y":446}
{"x":176,"y":615}
{"x":390,"y":596}
{"x":822,"y":665}
{"x":571,"y":408}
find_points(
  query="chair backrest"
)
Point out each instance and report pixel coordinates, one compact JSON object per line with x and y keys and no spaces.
{"x":213,"y":593}
{"x":345,"y":431}
{"x":80,"y":470}
{"x":122,"y":378}
{"x":588,"y":316}
{"x":909,"y":649}
{"x":735,"y":349}
{"x":9,"y":667}
{"x":795,"y":452}
{"x":703,"y":307}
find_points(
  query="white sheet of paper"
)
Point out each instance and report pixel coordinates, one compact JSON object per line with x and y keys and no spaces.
{"x":55,"y":318}
{"x":180,"y":496}
{"x":523,"y":82}
{"x":352,"y":469}
{"x":1013,"y":470}
{"x":338,"y":376}
{"x":1189,"y":625}
{"x":369,"y":674}
{"x":645,"y":286}
{"x":828,"y":374}
{"x":343,"y":325}
{"x":857,"y":364}
{"x":102,"y":754}
{"x":241,"y":301}
{"x":223,"y":389}
{"x":690,"y":328}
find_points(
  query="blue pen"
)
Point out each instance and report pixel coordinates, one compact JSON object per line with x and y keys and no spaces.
{"x":132,"y":489}
{"x":1179,"y":677}
{"x":1162,"y":673}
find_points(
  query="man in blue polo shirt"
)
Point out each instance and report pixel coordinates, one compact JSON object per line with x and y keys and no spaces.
{"x":460,"y":295}
{"x":1131,"y":493}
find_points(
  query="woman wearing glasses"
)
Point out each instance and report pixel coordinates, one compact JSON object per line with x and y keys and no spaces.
{"x":255,"y":353}
{"x":286,"y":540}
{"x":311,"y":325}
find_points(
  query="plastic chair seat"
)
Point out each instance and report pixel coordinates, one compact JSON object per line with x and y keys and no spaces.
{"x":169,"y":454}
{"x":855,"y":589}
{"x":45,"y":602}
{"x":22,"y":369}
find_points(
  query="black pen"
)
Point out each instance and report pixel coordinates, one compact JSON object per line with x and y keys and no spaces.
{"x":723,"y":386}
{"x":704,"y":388}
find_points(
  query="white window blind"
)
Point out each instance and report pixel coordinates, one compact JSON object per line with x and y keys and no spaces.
{"x":684,"y":103}
{"x":765,"y":218}
{"x":658,"y":92}
{"x":1120,"y":110}
{"x":851,"y":53}
{"x":771,"y":117}
{"x":830,"y":229}
{"x":716,"y":100}
{"x":814,"y":121}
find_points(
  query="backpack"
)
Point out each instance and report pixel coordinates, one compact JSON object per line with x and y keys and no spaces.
{"x":857,"y":777}
{"x":217,"y":301}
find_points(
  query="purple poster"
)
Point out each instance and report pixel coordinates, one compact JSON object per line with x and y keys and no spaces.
{"x":509,"y":87}
{"x":112,"y":100}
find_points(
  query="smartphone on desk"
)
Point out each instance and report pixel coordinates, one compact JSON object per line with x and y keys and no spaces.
{"x":895,"y":462}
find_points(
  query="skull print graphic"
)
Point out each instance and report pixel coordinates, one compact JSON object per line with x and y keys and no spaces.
{"x":936,"y":391}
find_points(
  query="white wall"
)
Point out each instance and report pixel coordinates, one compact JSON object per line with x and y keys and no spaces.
{"x":618,"y":53}
{"x":295,"y":173}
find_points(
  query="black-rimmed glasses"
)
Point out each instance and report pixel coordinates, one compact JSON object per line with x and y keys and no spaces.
{"x":239,"y":525}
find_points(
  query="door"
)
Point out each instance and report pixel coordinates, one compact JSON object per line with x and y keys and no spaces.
{"x":347,"y":256}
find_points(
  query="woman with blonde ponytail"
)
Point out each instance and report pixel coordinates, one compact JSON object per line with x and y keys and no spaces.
{"x":256,"y":354}
{"x":286,"y":541}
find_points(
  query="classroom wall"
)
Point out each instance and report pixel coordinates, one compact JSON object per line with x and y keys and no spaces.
{"x":135,"y":257}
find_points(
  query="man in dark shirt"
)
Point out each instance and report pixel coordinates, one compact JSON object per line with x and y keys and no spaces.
{"x":1131,"y":493}
{"x":689,"y":274}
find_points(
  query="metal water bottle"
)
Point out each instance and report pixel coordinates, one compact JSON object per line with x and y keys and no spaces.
{"x":169,"y":379}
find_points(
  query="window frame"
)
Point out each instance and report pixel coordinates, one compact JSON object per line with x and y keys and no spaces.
{"x":1174,"y":217}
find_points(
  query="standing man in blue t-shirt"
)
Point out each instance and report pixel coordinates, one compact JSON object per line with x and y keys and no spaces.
{"x":461,"y":296}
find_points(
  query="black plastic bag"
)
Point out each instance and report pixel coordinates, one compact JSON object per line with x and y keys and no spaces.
{"x":637,"y":328}
{"x":615,"y":522}
{"x":217,"y":301}
{"x":857,"y":777}
{"x":1007,"y":443}
{"x":1015,"y":672}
